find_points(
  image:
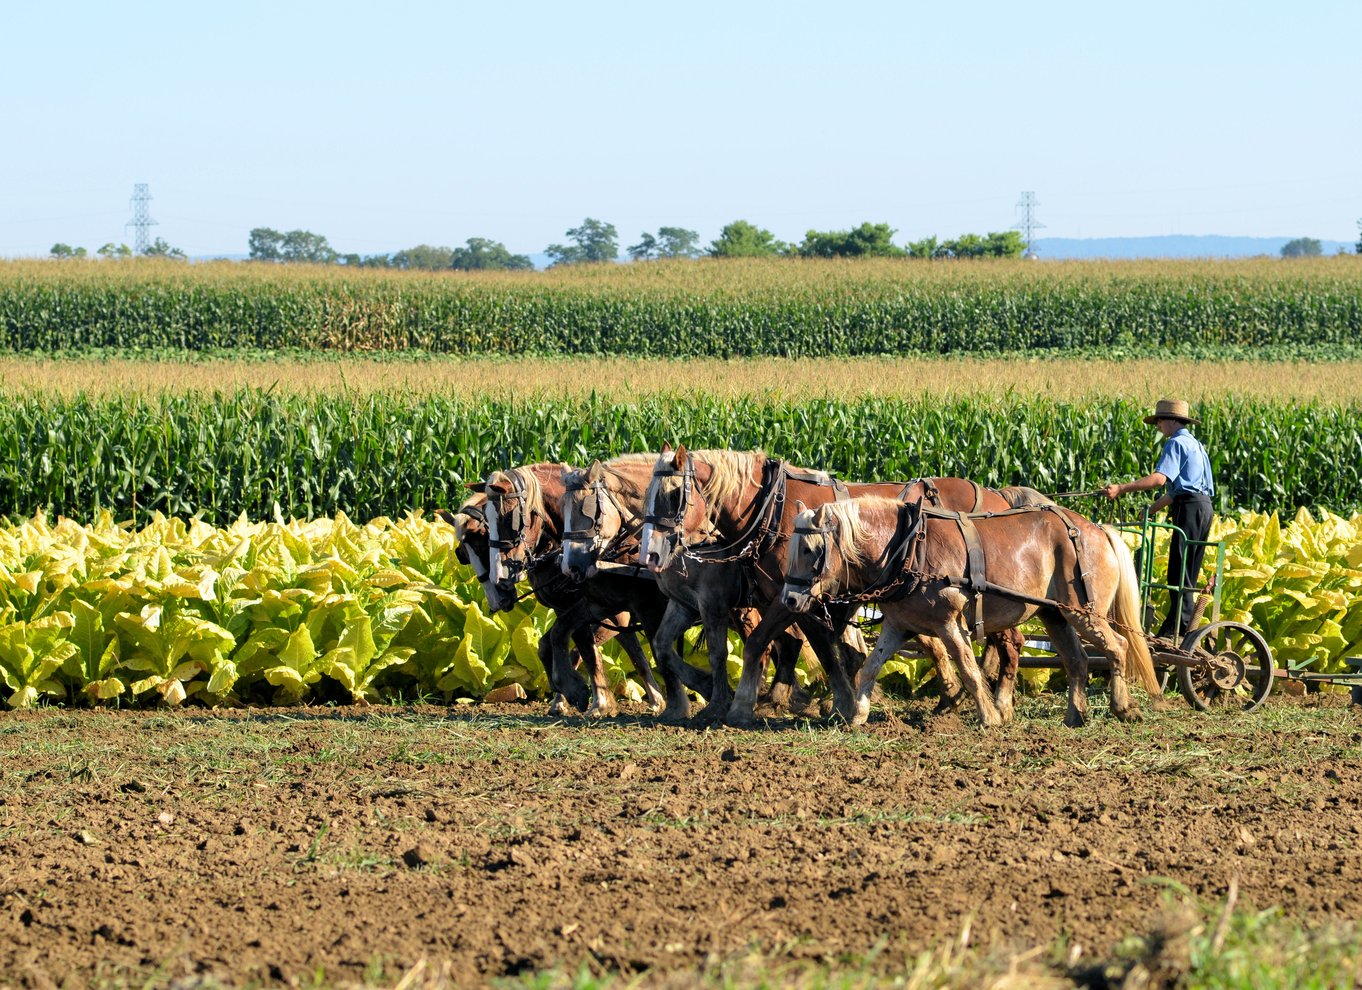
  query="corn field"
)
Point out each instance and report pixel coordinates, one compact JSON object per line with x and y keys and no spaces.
{"x":720,"y":308}
{"x":379,"y":454}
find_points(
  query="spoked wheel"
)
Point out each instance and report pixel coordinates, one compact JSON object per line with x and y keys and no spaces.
{"x":1237,"y":672}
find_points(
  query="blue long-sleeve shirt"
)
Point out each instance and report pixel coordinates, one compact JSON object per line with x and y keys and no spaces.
{"x":1185,"y":464}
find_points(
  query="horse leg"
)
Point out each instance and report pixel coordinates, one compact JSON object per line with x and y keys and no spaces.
{"x":716,"y":640}
{"x":953,"y":639}
{"x":1067,"y":644}
{"x":891,"y":639}
{"x":558,"y":701}
{"x":785,"y":653}
{"x":588,"y":637}
{"x":1007,"y":647}
{"x":652,"y":694}
{"x":563,"y":674}
{"x":831,"y":650}
{"x":741,"y":712}
{"x":951,"y":694}
{"x":677,"y":619}
{"x":1111,"y":645}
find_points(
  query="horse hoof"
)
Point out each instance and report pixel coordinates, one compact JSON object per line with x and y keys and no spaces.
{"x":741,"y":719}
{"x":675,"y":715}
{"x":947,"y":703}
{"x":602,"y":711}
{"x":1131,"y":714}
{"x":710,"y":715}
{"x":1073,"y":721}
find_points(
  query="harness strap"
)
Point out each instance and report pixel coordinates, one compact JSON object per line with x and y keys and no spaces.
{"x":978,"y":496}
{"x":974,"y":567}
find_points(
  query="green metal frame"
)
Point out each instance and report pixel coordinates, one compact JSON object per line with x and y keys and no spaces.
{"x":1145,"y":528}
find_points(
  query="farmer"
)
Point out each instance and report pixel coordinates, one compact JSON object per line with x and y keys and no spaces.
{"x":1186,"y":471}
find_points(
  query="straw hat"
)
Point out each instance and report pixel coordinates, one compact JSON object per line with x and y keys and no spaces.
{"x":1171,"y":409}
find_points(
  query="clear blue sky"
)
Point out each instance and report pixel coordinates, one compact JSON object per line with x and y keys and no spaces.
{"x":383,"y":126}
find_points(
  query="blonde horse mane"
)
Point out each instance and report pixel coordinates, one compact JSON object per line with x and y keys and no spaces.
{"x":848,"y":528}
{"x":534,"y":495}
{"x":730,"y":471}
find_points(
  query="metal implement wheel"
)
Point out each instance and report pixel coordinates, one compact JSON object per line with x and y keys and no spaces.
{"x":1237,"y":672}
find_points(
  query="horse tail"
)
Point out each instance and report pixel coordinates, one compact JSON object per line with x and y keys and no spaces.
{"x":1126,"y":611}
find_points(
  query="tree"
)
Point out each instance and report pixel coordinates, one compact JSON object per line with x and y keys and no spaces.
{"x":60,"y":250}
{"x":305,"y":246}
{"x":479,"y":253}
{"x":867,"y":240}
{"x":425,"y":257}
{"x":267,"y":244}
{"x":112,"y":250}
{"x":999,"y":244}
{"x":645,"y":250}
{"x":741,"y":239}
{"x":925,"y":248}
{"x":160,"y":249}
{"x":1359,"y":236}
{"x":592,"y":241}
{"x":1302,"y":247}
{"x":677,"y":242}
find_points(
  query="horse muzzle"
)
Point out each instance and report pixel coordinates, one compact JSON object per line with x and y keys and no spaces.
{"x":501,"y":596}
{"x":795,"y":599}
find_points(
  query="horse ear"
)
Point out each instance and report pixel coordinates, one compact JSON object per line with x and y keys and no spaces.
{"x":445,"y":516}
{"x":498,"y":482}
{"x":666,"y":448}
{"x":595,"y":472}
{"x":680,"y":458}
{"x":800,"y":508}
{"x":478,"y":487}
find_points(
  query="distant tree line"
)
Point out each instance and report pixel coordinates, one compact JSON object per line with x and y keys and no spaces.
{"x":595,"y":241}
{"x":303,"y":246}
{"x":157,"y":249}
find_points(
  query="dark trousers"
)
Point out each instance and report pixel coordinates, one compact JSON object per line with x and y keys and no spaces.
{"x":1192,"y":514}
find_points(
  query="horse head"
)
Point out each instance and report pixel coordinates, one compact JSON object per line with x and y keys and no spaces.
{"x":672,"y":503}
{"x":511,"y":527}
{"x":474,"y":550}
{"x":591,"y":519}
{"x":807,"y":557}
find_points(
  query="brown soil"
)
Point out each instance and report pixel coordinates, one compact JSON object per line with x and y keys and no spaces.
{"x":267,"y":846}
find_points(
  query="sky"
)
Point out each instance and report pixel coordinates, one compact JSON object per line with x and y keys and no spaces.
{"x":384,"y":126}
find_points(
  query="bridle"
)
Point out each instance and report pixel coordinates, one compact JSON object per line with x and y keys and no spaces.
{"x":589,"y":509}
{"x":673,"y":527}
{"x":514,"y":522}
{"x":819,"y":570}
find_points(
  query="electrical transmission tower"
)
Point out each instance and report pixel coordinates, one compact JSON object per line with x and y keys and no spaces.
{"x":141,"y":221}
{"x":1029,"y":224}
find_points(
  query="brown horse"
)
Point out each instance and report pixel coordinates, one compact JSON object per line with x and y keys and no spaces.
{"x":524,"y":533}
{"x":574,"y":621}
{"x":934,"y":574}
{"x":717,"y":524}
{"x":603,"y":511}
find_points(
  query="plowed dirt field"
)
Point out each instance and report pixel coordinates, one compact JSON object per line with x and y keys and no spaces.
{"x":344,"y":845}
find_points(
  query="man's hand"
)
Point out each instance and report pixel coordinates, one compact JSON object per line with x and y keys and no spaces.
{"x":1112,"y":491}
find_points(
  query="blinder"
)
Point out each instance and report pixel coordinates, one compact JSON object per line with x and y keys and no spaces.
{"x":674,"y":523}
{"x":589,"y":510}
{"x":820,"y":565}
{"x":510,"y":523}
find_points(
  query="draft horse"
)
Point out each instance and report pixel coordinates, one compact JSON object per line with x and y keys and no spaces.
{"x":947,"y":574}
